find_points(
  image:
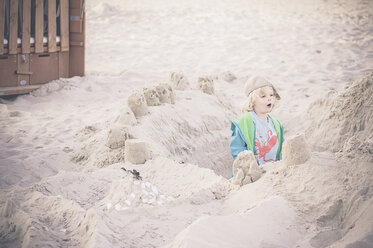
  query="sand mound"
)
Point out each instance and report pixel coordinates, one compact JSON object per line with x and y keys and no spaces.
{"x":26,"y":215}
{"x":272,"y":224}
{"x":202,"y":187}
{"x":184,"y":131}
{"x":342,"y":122}
{"x":94,"y":145}
{"x":189,"y":131}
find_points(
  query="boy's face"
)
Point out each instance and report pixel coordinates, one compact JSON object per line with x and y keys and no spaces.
{"x":263,"y":103}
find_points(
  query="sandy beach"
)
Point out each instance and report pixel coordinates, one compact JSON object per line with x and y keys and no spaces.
{"x":68,"y":174}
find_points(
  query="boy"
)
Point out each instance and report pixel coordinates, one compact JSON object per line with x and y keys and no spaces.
{"x":255,"y":129}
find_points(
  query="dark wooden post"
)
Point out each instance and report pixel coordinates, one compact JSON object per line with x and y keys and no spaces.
{"x":77,"y":38}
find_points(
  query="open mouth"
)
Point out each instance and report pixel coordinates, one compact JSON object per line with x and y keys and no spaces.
{"x":269,"y":105}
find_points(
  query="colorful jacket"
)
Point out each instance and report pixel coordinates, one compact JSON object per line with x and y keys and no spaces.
{"x":243,"y":135}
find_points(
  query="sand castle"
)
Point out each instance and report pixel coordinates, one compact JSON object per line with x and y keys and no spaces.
{"x":165,"y":92}
{"x":295,"y":150}
{"x":179,"y":81}
{"x":151,"y":96}
{"x":117,"y":137}
{"x":137,"y":103}
{"x":136,"y":151}
{"x":206,"y":85}
{"x":246,"y":169}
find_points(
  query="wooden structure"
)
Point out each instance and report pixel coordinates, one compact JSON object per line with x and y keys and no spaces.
{"x":40,"y":40}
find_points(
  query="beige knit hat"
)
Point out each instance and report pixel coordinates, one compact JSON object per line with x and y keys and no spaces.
{"x":257,"y":82}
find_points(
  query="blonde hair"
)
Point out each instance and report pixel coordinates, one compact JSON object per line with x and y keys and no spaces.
{"x":249,"y":104}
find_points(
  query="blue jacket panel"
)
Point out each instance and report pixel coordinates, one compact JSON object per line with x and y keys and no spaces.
{"x":237,"y":143}
{"x":283,"y":140}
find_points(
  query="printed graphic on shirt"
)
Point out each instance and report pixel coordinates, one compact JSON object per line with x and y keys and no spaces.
{"x":263,"y":145}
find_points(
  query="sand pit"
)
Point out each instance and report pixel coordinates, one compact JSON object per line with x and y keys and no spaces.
{"x":61,"y":185}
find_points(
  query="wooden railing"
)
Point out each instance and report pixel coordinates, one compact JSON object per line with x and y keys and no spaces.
{"x":40,"y":41}
{"x":31,"y":20}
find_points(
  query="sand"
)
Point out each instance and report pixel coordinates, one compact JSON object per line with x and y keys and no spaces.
{"x":296,"y":150}
{"x":64,"y":177}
